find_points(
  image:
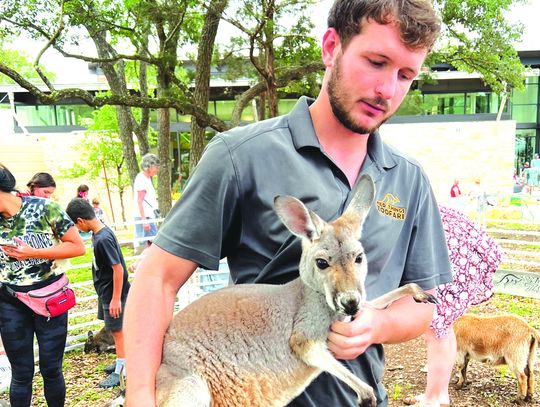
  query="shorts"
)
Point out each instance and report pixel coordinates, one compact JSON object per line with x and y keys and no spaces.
{"x":112,"y":324}
{"x":140,"y":232}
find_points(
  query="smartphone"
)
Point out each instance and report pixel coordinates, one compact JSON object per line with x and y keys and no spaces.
{"x":7,"y":242}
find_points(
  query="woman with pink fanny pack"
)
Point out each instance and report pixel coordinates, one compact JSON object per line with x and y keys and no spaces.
{"x":34,"y":294}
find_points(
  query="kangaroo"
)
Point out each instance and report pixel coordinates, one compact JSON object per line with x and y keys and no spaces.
{"x":261,"y":345}
{"x":101,"y":342}
{"x":498,"y":340}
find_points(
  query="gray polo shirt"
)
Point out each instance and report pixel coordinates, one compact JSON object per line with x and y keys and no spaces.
{"x":226,"y":210}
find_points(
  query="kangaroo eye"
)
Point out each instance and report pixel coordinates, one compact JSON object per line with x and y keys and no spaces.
{"x":359,"y":259}
{"x":321,"y":263}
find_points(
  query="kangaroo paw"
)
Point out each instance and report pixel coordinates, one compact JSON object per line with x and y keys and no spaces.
{"x":425,"y":298}
{"x":371,"y":401}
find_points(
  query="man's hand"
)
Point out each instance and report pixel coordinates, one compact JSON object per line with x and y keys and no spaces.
{"x":146,"y":227}
{"x":348,"y":340}
{"x":115,"y":308}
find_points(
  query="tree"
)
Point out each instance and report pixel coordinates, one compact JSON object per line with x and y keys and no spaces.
{"x":275,"y":38}
{"x":138,"y":43}
{"x":477,"y":37}
{"x":101,"y":150}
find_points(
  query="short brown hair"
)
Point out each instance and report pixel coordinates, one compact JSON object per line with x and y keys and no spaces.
{"x":418,"y":23}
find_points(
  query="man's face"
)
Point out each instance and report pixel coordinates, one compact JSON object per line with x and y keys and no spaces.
{"x":371,"y":76}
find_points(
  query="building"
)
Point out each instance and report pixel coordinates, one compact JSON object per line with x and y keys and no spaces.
{"x":455,"y":98}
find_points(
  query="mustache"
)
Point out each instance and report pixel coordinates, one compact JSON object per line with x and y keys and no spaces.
{"x":378,"y":102}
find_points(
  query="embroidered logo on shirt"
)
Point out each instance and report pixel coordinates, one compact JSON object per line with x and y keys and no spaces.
{"x":387,"y":206}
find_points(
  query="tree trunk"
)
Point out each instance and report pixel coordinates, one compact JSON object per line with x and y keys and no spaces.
{"x":116,"y":79}
{"x":270,"y":77}
{"x":123,"y":113}
{"x":164,"y":176}
{"x":201,"y":92}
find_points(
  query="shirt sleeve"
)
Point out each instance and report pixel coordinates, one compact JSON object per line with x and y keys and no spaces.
{"x":205,"y":223}
{"x":427,"y":261}
{"x":108,"y":251}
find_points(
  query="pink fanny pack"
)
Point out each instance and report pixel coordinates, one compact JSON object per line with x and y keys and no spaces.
{"x":49,"y":301}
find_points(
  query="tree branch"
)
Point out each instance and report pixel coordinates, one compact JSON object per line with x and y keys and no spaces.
{"x":185,"y":107}
{"x":283,"y":78}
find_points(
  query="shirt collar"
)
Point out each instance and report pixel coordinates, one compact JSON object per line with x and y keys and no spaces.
{"x":303,"y":135}
{"x":301,"y":126}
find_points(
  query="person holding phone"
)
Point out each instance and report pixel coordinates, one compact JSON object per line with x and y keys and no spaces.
{"x":36,"y":234}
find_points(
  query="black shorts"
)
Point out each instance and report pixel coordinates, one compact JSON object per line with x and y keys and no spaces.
{"x":112,"y":324}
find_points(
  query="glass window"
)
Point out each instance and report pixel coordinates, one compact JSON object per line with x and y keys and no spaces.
{"x":449,"y":103}
{"x":35,"y":115}
{"x":478,"y":103}
{"x":223,"y":109}
{"x":72,"y":115}
{"x":524,"y":148}
{"x":529,"y":95}
{"x":524,"y":113}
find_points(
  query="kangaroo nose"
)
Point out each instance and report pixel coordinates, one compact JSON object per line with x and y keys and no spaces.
{"x":349,"y":302}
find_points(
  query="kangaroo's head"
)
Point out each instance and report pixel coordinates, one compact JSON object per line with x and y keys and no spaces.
{"x":333,"y":261}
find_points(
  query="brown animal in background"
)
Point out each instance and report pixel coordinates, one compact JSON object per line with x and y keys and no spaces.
{"x":498,"y":340}
{"x":101,"y":342}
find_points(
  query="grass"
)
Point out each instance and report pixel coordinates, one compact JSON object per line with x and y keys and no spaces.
{"x":398,"y":391}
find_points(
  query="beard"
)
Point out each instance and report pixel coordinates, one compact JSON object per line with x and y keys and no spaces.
{"x":338,"y":103}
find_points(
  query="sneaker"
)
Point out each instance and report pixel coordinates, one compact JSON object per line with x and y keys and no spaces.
{"x":110,"y":369}
{"x":112,"y":380}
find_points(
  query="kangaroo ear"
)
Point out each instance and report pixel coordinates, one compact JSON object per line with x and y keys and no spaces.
{"x":364,"y":194}
{"x":300,"y":220}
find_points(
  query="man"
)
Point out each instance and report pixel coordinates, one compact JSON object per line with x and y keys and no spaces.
{"x":145,"y":203}
{"x":110,"y":276}
{"x":316,"y":154}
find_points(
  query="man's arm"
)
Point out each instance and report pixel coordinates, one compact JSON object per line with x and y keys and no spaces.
{"x":399,"y":322}
{"x":148,"y":314}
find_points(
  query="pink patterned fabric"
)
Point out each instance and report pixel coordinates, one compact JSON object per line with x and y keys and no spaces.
{"x":474,"y":257}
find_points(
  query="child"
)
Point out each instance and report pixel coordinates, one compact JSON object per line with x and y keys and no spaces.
{"x":98,"y":211}
{"x":110,"y":276}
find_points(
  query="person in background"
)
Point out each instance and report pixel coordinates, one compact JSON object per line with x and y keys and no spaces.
{"x":535,"y":162}
{"x":523,"y":174}
{"x":475,"y":257}
{"x":455,"y":192}
{"x":100,"y":214}
{"x":42,"y":185}
{"x":145,"y":202}
{"x":82,"y":191}
{"x":372,"y":51}
{"x":479,"y":197}
{"x":110,"y":276}
{"x":42,"y":234}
